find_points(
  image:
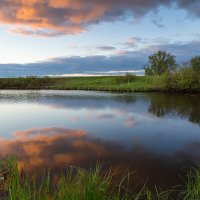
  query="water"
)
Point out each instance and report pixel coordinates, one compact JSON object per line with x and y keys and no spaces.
{"x":154,"y":134}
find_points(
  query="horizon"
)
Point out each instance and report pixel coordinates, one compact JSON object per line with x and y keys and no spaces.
{"x":49,"y":37}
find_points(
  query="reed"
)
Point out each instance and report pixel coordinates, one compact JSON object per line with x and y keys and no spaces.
{"x":81,"y":184}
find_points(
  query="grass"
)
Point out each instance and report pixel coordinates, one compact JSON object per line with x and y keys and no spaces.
{"x":181,"y":81}
{"x":80,"y":184}
{"x":108,"y":83}
{"x":191,"y":189}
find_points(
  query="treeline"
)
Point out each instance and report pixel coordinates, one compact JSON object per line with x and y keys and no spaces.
{"x":161,"y":74}
{"x":171,"y":76}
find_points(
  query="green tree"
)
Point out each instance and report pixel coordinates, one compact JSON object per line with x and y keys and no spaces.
{"x":159,"y":63}
{"x":195,"y":63}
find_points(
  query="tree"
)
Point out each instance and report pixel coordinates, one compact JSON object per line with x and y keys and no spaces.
{"x":159,"y":63}
{"x":195,"y":63}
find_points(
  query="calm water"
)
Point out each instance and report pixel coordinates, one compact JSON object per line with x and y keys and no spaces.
{"x":154,"y":134}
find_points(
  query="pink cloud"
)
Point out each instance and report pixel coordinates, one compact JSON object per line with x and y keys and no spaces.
{"x":50,"y":18}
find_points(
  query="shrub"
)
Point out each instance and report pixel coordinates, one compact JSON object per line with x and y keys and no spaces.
{"x":127,"y":78}
{"x":183,"y":79}
{"x":195,"y":63}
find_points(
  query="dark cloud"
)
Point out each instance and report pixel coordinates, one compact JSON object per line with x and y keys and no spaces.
{"x":182,"y":51}
{"x":54,"y":18}
{"x":106,"y":48}
{"x":158,"y":23}
{"x":191,"y":6}
{"x":75,"y":64}
{"x":122,"y":60}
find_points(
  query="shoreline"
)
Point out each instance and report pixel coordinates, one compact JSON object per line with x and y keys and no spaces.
{"x":105,"y":83}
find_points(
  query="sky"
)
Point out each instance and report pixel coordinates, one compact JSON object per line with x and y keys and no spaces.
{"x":58,"y":37}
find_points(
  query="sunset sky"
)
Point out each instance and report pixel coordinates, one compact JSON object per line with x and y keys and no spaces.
{"x":43,"y":37}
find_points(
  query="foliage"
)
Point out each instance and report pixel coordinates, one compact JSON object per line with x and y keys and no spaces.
{"x":160,"y":63}
{"x":127,"y":78}
{"x":185,"y":79}
{"x":195,"y":63}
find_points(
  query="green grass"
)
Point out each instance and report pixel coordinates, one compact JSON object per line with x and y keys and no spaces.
{"x":181,"y":81}
{"x":140,"y":84}
{"x":80,"y":184}
{"x":76,"y":184}
{"x":191,"y":189}
{"x":77,"y":83}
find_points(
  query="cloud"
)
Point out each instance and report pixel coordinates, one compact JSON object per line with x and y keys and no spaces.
{"x":105,"y":48}
{"x":53,"y":18}
{"x":73,"y":65}
{"x":191,"y":6}
{"x":119,"y":61}
{"x":158,"y":23}
{"x":182,"y":50}
{"x":132,"y":42}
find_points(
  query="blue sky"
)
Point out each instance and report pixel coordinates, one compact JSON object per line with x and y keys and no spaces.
{"x":111,"y":35}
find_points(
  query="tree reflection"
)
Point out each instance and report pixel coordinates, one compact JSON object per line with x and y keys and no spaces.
{"x":185,"y":106}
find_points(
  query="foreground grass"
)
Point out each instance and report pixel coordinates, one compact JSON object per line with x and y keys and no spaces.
{"x":80,"y":184}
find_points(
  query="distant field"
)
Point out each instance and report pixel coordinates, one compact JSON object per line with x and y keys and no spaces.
{"x":104,"y":83}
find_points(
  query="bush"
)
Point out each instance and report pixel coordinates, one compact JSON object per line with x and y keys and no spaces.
{"x":195,"y":63}
{"x":127,"y":78}
{"x":183,"y":79}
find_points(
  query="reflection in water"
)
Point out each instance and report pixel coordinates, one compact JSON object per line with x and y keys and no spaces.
{"x":159,"y":104}
{"x":180,"y":105}
{"x":154,"y":134}
{"x":58,"y":147}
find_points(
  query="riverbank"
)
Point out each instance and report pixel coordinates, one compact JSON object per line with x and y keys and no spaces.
{"x":82,"y":184}
{"x":104,"y":83}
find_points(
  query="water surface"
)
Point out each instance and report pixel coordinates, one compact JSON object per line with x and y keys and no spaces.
{"x":155,"y":134}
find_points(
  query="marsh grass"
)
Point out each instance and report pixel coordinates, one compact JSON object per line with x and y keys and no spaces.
{"x":191,"y":188}
{"x":182,"y":81}
{"x":75,"y":184}
{"x":125,"y":79}
{"x":105,"y":83}
{"x":93,"y":184}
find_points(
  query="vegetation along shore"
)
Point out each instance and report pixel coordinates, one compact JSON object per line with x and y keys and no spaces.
{"x":161,"y":74}
{"x":80,"y":184}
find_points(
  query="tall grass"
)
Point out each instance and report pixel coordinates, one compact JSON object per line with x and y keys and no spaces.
{"x":81,"y":184}
{"x":181,"y":81}
{"x":75,"y":184}
{"x":191,"y":189}
{"x":125,"y":79}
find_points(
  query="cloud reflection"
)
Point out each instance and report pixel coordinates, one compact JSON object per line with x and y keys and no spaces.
{"x":57,"y":147}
